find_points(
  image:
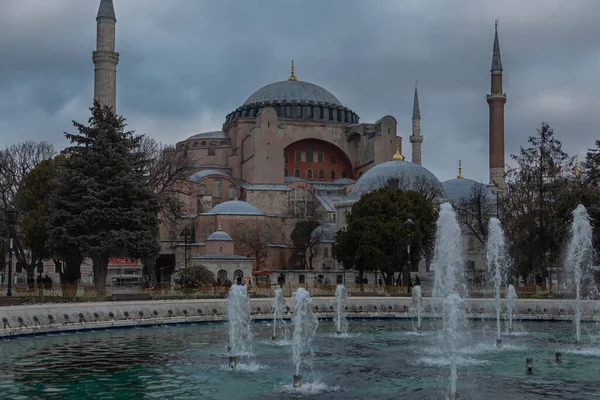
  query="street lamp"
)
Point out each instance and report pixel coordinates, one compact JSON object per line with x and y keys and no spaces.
{"x":11,"y":220}
{"x":409,"y":224}
{"x":186,"y":233}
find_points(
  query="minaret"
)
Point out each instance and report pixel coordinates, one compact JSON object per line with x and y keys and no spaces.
{"x":496,"y":99}
{"x":105,"y":58}
{"x":416,"y":139}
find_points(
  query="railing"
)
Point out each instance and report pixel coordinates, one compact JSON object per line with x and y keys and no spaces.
{"x":85,"y":293}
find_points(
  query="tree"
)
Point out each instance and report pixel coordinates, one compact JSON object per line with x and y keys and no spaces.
{"x":196,"y":276}
{"x":475,"y":210}
{"x":31,"y":200}
{"x":591,"y":166}
{"x":305,"y":237}
{"x":103,"y":205}
{"x":376,"y":237}
{"x":253,"y":238}
{"x":534,"y":220}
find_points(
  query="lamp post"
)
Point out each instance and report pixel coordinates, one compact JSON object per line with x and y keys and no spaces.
{"x":11,"y":219}
{"x":186,"y":233}
{"x":409,"y":224}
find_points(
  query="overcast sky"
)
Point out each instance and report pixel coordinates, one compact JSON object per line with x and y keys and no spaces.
{"x":186,"y":63}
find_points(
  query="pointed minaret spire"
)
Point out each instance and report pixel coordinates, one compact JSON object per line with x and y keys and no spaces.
{"x":496,"y":59}
{"x":105,"y":57}
{"x":496,"y":100}
{"x":416,"y":139}
{"x":292,"y":76}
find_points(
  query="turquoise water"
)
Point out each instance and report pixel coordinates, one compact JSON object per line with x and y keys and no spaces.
{"x":380,"y":359}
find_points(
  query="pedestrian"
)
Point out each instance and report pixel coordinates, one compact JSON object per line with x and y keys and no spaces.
{"x":417,"y":281}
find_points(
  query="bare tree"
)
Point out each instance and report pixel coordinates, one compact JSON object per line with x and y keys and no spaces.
{"x":254,"y":238}
{"x":475,"y":210}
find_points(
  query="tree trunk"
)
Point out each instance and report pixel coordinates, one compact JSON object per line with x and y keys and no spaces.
{"x":361,"y":279}
{"x":150,"y":264}
{"x":100,"y":265}
{"x":70,"y":273}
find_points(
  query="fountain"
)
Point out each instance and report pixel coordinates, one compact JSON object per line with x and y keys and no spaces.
{"x":339,"y":309}
{"x":449,"y":284}
{"x":578,"y":261}
{"x":495,"y":261}
{"x":511,"y":297}
{"x":278,"y":310}
{"x":305,"y":328}
{"x":417,"y":305}
{"x":238,"y":314}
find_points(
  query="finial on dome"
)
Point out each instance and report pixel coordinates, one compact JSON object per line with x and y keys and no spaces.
{"x":220,"y":226}
{"x":292,"y":76}
{"x":577,"y":171}
{"x":398,"y":156}
{"x":460,"y":175}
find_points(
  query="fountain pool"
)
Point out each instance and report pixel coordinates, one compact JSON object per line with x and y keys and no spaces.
{"x":384,"y":359}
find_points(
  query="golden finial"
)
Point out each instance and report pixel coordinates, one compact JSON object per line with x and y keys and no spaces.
{"x":496,"y":25}
{"x":292,"y":76}
{"x":220,"y":225}
{"x":460,"y":175}
{"x":398,"y":156}
{"x":577,"y":172}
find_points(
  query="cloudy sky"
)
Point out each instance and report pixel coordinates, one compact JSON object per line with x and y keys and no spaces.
{"x":186,"y":63}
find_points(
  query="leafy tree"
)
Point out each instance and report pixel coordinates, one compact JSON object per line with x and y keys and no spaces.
{"x":31,"y":200}
{"x":376,"y":237}
{"x":535,"y":221}
{"x":196,"y":276}
{"x":102,"y":205}
{"x":591,"y":166}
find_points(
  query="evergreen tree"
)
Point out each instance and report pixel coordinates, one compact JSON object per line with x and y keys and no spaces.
{"x":102,"y":205}
{"x":591,"y":166}
{"x":534,"y":218}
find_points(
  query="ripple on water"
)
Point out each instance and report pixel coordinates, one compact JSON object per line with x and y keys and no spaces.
{"x":309,"y":388}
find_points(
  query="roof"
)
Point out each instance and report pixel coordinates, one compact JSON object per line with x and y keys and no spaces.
{"x":328,"y":201}
{"x":106,"y":10}
{"x":210,"y":135}
{"x":324,"y":233}
{"x":458,"y":189}
{"x":198,"y":176}
{"x":416,"y":110}
{"x":219,"y":236}
{"x":266,"y":187}
{"x":292,"y":91}
{"x":229,"y":257}
{"x":235,"y":207}
{"x":410,"y":176}
{"x":496,"y":59}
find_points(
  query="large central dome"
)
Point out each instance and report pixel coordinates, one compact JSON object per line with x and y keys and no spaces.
{"x":299,"y":91}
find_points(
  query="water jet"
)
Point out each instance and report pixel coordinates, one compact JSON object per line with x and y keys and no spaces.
{"x":297,"y":381}
{"x":499,"y":343}
{"x":232,"y":362}
{"x":529,"y":365}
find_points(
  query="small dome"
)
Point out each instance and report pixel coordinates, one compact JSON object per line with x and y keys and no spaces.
{"x":198,"y":176}
{"x":410,"y":176}
{"x":235,"y":207}
{"x":292,"y":91}
{"x":219,"y":236}
{"x":324,"y":233}
{"x":210,"y":135}
{"x":458,"y":189}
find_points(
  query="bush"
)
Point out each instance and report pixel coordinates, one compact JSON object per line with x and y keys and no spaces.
{"x":196,"y":276}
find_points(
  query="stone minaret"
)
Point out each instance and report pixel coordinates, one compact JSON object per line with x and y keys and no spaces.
{"x":105,"y":58}
{"x":496,"y":99}
{"x":416,"y":139}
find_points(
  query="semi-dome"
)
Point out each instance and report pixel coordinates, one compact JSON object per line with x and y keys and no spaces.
{"x":287,"y":91}
{"x":198,"y":176}
{"x":458,"y":189}
{"x":235,"y":207}
{"x":324,"y":233}
{"x":410,"y":176}
{"x":219,"y":236}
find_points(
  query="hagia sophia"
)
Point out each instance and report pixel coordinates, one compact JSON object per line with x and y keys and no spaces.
{"x":293,"y":150}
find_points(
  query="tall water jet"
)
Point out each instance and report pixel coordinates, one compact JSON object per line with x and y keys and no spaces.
{"x":240,"y":334}
{"x":278,"y":310}
{"x":449,"y":285}
{"x":511,"y":300}
{"x":579,"y":261}
{"x":339,"y":309}
{"x":495,"y":261}
{"x":417,"y":305}
{"x":305,"y":327}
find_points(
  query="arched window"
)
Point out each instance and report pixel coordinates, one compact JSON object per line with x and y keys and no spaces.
{"x":210,"y":228}
{"x":238,"y":273}
{"x":309,"y":173}
{"x":268,"y":233}
{"x":231,"y":192}
{"x":204,"y":143}
{"x":326,"y":252}
{"x":297,"y":173}
{"x":286,"y":157}
{"x":240,"y":231}
{"x":332,"y":175}
{"x":217,"y":188}
{"x":202,"y":189}
{"x":221,"y":276}
{"x":211,"y":150}
{"x":221,"y":248}
{"x":285,"y":172}
{"x":344,"y":174}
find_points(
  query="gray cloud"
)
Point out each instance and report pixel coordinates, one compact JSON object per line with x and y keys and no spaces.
{"x":185,"y":64}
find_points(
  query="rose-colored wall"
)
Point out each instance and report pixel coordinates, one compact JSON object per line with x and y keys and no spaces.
{"x":342,"y":163}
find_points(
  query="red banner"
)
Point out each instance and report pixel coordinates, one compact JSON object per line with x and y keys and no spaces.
{"x":122,"y":261}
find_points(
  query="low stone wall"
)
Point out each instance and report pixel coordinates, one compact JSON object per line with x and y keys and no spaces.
{"x":71,"y":317}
